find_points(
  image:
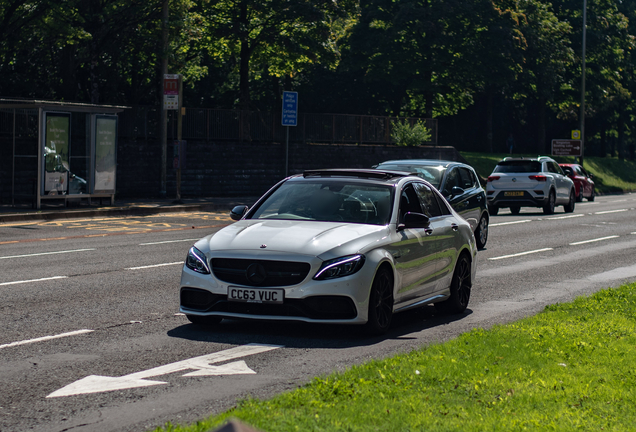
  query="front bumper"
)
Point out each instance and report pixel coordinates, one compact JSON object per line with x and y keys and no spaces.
{"x":338,"y":301}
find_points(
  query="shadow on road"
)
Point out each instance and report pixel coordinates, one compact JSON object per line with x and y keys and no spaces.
{"x":306,"y":335}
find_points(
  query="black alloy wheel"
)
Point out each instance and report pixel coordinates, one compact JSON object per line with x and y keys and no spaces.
{"x":493,"y":210}
{"x":515,"y":210}
{"x":569,"y":207}
{"x":481,"y":233}
{"x":548,"y":208}
{"x":204,"y":320}
{"x":591,"y":198}
{"x":459,"y":289}
{"x":381,"y":302}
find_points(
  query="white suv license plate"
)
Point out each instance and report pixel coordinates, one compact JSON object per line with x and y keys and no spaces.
{"x":255,"y":295}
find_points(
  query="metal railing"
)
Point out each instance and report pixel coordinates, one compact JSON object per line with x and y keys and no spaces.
{"x":236,"y":125}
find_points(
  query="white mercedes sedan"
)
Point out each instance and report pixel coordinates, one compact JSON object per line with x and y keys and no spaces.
{"x":333,"y":246}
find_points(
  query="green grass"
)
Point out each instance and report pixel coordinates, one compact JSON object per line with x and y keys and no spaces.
{"x":611,"y":175}
{"x":571,"y":367}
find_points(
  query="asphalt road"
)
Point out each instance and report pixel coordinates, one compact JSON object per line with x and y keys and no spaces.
{"x":92,"y":338}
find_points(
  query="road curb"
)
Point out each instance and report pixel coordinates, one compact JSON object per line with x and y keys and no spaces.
{"x":113,"y":211}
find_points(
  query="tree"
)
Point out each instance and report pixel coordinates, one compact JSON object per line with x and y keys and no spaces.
{"x":285,"y":37}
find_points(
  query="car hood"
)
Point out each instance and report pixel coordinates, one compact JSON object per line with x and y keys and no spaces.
{"x":295,"y":237}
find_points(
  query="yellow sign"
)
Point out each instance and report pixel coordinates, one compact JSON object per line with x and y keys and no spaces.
{"x":576,"y":134}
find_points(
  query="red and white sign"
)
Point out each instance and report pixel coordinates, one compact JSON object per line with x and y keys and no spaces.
{"x":171,"y":84}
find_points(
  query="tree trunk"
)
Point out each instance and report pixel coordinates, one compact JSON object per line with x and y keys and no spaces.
{"x":489,"y":115}
{"x":541,"y":141}
{"x":620,"y":144}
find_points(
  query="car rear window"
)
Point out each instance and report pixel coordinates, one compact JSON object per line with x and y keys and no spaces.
{"x":518,"y":167}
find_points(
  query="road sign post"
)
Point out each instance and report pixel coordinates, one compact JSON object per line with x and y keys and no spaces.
{"x":289,"y":118}
{"x":566,"y":147}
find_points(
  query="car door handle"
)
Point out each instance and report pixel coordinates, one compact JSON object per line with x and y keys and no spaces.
{"x":455,"y":227}
{"x":428,"y":231}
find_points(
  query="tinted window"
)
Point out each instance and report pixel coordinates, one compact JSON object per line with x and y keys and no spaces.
{"x":452,"y":179}
{"x":467,"y":181}
{"x":428,"y":200}
{"x":432,"y":174}
{"x":518,"y":167}
{"x":409,"y":201}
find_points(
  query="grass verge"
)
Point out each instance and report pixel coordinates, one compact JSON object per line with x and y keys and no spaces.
{"x":610,"y":173}
{"x":571,"y":367}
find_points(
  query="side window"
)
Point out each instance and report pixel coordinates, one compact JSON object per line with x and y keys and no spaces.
{"x":428,"y":200}
{"x":467,"y":179}
{"x":452,"y":179}
{"x":409,"y":202}
{"x":556,"y":168}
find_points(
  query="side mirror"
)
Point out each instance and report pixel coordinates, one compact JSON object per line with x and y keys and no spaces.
{"x":238,"y":212}
{"x":456,"y":190}
{"x":414,"y":220}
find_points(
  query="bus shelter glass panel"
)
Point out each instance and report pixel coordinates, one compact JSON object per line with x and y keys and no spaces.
{"x":105,"y":153}
{"x":56,"y":153}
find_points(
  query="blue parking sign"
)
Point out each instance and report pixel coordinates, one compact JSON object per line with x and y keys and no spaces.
{"x":290,"y":108}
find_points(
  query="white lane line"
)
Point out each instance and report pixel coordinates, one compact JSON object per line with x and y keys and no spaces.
{"x":612,"y":211}
{"x":520,"y":254}
{"x":168,"y":241}
{"x":593,"y":240}
{"x":46,"y":338}
{"x":155,"y":265}
{"x":510,"y":223}
{"x":565,"y":217}
{"x":32,"y":280}
{"x":623,"y":200}
{"x":46,"y":253}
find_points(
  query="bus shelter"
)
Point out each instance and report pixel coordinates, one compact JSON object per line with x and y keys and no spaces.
{"x":57,"y":152}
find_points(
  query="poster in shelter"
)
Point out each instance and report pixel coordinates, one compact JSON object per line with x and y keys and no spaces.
{"x":56,"y":153}
{"x":105,"y":153}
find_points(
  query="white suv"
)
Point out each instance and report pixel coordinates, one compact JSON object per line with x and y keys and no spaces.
{"x":529,"y":182}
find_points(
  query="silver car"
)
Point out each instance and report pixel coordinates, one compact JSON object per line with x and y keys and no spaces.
{"x":333,"y":246}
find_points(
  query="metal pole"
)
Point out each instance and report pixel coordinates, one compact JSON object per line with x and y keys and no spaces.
{"x":287,"y":153}
{"x":179,"y":135}
{"x":582,"y":114}
{"x":13,"y":166}
{"x":164,"y":113}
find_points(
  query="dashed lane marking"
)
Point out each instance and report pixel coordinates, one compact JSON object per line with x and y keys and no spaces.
{"x":32,"y":280}
{"x":520,"y":254}
{"x":46,"y":253}
{"x":168,"y":241}
{"x":611,"y":211}
{"x":155,"y":265}
{"x":593,"y":240}
{"x":46,"y":338}
{"x":510,"y":223}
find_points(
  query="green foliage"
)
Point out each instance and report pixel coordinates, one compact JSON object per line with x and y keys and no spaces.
{"x":406,"y":134}
{"x":568,"y":368}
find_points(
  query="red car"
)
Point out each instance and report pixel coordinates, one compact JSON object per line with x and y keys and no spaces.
{"x":583,"y":183}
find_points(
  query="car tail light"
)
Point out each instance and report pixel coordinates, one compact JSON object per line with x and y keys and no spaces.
{"x":493,"y":178}
{"x":538,"y":177}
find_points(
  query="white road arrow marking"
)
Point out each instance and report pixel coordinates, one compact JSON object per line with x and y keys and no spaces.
{"x":201,"y":365}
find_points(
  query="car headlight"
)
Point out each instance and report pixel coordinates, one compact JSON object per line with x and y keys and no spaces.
{"x":196,"y":261}
{"x":340,"y":267}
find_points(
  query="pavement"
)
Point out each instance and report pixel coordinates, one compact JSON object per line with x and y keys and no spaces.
{"x":121,"y":207}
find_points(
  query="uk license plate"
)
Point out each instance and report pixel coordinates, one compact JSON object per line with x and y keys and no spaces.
{"x":255,"y":295}
{"x":513,"y":193}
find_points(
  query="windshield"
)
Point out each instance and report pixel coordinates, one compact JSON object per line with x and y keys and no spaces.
{"x":328,"y":200}
{"x":518,"y":167}
{"x":432,"y":174}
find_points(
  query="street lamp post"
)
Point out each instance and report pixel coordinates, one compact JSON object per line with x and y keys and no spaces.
{"x":582,"y":114}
